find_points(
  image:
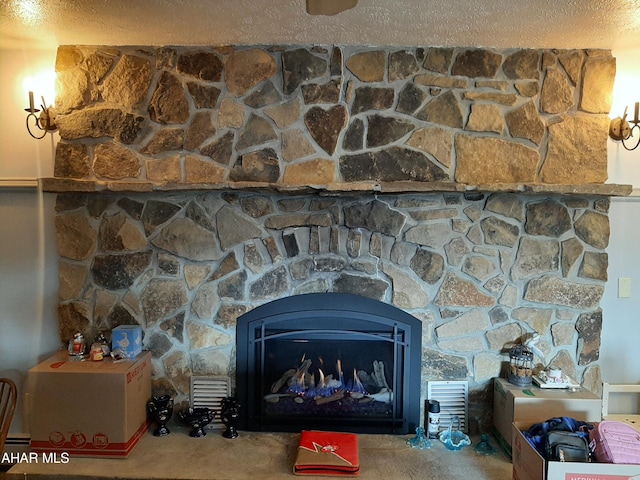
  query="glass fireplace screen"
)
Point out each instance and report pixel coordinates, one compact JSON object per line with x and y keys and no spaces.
{"x":329,"y":361}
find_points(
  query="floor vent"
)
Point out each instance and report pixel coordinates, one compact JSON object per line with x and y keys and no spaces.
{"x":208,"y":391}
{"x":454,"y":400}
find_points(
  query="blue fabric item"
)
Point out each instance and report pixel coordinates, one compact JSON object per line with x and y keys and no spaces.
{"x":537,"y":433}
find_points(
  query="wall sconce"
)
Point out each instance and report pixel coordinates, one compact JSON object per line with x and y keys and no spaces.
{"x":619,"y":128}
{"x":45,"y":121}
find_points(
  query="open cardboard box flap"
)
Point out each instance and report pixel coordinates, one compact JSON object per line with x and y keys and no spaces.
{"x":528,"y":464}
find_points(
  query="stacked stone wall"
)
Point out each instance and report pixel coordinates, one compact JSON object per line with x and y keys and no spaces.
{"x":480,"y":272}
{"x":325,"y":115}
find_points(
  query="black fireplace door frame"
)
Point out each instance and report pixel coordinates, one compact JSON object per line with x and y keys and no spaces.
{"x":329,"y":316}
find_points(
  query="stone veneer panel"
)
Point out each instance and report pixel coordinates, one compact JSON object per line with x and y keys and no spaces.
{"x":184,"y":266}
{"x":480,"y":271}
{"x":220,"y":114}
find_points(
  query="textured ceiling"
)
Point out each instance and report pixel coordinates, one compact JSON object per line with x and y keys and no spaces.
{"x":611,"y":24}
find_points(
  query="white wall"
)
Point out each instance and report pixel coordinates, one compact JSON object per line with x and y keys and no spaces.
{"x":28,"y":258}
{"x":619,"y":359}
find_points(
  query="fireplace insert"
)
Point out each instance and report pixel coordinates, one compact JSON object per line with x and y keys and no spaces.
{"x":329,"y":361}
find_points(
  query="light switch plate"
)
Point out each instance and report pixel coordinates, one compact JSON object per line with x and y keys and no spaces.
{"x":624,"y":287}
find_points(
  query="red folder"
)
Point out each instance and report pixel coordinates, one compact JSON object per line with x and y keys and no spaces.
{"x":327,"y":453}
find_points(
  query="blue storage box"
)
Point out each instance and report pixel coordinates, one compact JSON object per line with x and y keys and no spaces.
{"x":127,"y":338}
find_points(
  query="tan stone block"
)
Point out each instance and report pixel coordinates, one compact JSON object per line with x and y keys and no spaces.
{"x":198,"y":170}
{"x":76,"y":238}
{"x":205,"y":301}
{"x":295,"y":144}
{"x":435,"y":141}
{"x":407,"y":292}
{"x":178,"y":370}
{"x":456,"y":291}
{"x":368,"y":66}
{"x":502,"y":98}
{"x":313,"y":172}
{"x":104,"y":303}
{"x":71,"y":279}
{"x":245,"y":69}
{"x":577,"y":151}
{"x":231,"y":114}
{"x":557,"y":94}
{"x":114,"y":161}
{"x":431,"y":80}
{"x":67,"y":57}
{"x":131,"y":236}
{"x":485,"y":118}
{"x":284,"y":114}
{"x":72,"y":87}
{"x":597,"y":84}
{"x":486,"y":365}
{"x":164,"y":170}
{"x":472,"y":322}
{"x":128,"y":83}
{"x":195,"y":274}
{"x":484,"y":160}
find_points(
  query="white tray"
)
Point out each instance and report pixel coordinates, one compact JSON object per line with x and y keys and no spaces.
{"x":567,"y":382}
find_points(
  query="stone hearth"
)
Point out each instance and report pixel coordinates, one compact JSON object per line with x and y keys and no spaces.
{"x":186,"y":177}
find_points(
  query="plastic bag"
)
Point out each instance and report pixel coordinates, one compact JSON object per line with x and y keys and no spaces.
{"x":454,"y":439}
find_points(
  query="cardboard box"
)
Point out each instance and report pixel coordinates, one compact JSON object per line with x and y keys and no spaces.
{"x":95,"y":409}
{"x":520,"y":404}
{"x":127,"y":338}
{"x":528,"y":464}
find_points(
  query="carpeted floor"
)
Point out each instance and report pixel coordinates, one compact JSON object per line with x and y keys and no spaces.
{"x":268,"y":456}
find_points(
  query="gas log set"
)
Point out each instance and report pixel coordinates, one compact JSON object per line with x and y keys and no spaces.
{"x":300,"y":384}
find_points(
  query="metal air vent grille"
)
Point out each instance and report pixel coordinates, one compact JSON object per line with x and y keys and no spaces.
{"x":453,"y":396}
{"x":208,"y":391}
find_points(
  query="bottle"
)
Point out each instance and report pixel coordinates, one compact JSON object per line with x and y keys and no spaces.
{"x":433,"y":426}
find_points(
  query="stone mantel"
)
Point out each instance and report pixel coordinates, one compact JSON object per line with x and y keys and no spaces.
{"x":59,"y":185}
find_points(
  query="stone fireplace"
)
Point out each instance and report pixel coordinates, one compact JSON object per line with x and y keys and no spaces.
{"x":463,"y":186}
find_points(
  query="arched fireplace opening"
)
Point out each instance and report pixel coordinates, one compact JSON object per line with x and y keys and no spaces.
{"x":329,"y":361}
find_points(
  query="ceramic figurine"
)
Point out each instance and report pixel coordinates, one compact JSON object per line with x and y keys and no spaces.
{"x":197,"y":418}
{"x":160,"y":410}
{"x":229,"y":415}
{"x":77,"y":345}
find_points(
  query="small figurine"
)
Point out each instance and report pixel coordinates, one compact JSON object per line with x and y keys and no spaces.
{"x":420,"y":441}
{"x":198,"y":418}
{"x":230,"y":415}
{"x":77,"y":345}
{"x":96,"y":354}
{"x":160,"y":410}
{"x":102,"y":340}
{"x":118,"y":355}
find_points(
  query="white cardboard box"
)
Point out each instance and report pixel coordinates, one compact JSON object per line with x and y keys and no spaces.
{"x":528,"y":464}
{"x":520,"y":404}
